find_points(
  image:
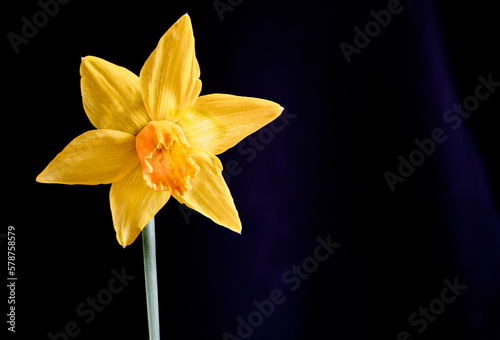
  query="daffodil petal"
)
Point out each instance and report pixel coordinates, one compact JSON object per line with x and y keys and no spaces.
{"x":169,"y":78}
{"x":209,"y":194}
{"x":217,"y":122}
{"x":133,"y":204}
{"x":111,"y":96}
{"x":94,"y":157}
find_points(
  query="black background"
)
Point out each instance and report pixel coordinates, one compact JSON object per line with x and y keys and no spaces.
{"x":321,"y":176}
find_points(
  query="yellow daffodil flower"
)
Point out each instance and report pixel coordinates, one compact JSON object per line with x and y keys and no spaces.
{"x":156,"y":137}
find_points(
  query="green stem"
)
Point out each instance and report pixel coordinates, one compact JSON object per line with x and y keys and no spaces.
{"x":149,"y":249}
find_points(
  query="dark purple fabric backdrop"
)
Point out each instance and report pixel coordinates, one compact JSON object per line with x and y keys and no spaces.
{"x":343,"y":237}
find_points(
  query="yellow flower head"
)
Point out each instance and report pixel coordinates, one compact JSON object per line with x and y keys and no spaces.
{"x":156,"y":137}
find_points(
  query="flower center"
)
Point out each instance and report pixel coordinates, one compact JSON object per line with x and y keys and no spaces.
{"x":165,"y":156}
